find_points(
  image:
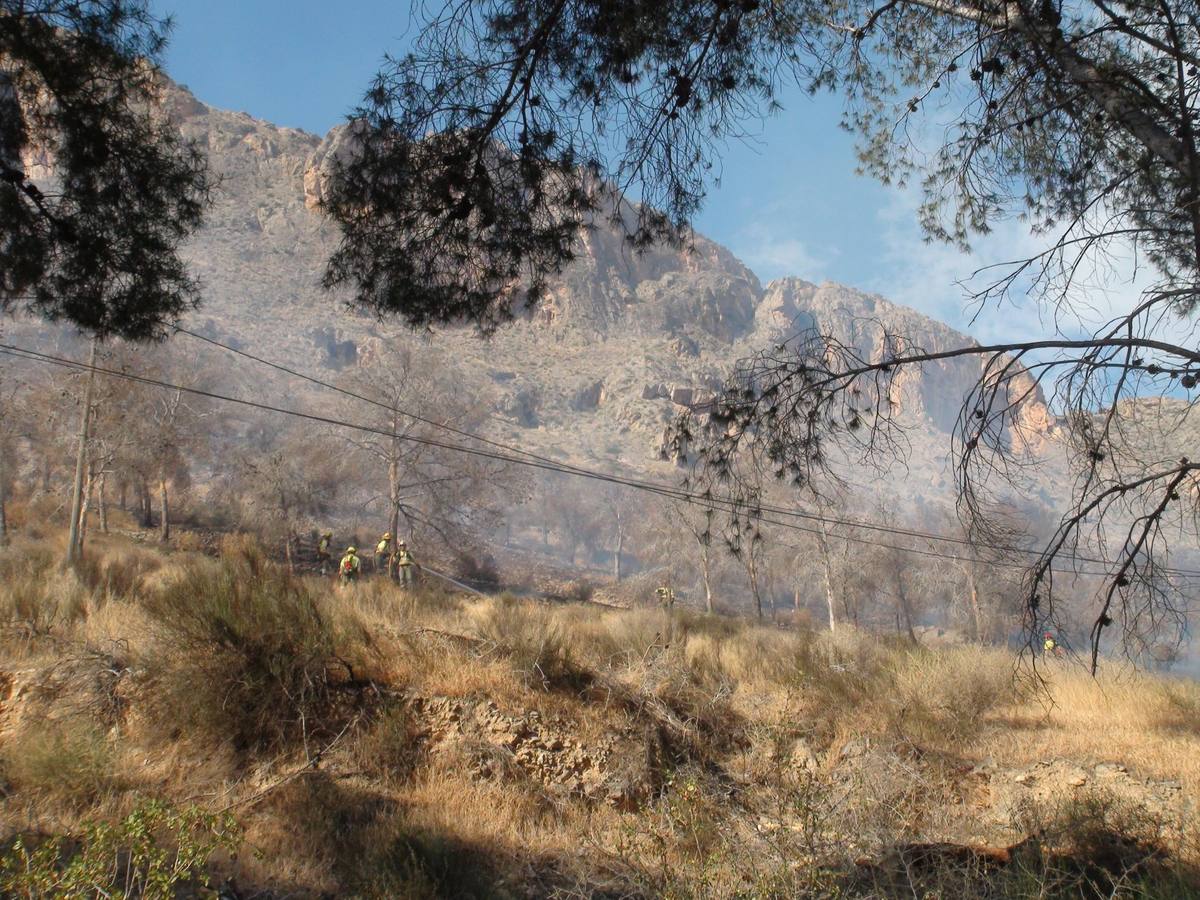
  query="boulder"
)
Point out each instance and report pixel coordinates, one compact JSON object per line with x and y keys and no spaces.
{"x":655,"y":392}
{"x":588,"y":396}
{"x":684,"y":346}
{"x":682,"y":396}
{"x":522,"y":405}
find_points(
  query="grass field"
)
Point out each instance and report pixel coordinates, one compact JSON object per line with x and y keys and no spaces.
{"x":365,"y":742}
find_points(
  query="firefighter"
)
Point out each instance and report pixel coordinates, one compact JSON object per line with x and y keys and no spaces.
{"x":383,"y":550}
{"x":323,"y":557}
{"x":350,"y":566}
{"x":1049,"y":645}
{"x":666,"y":597}
{"x":405,"y":565}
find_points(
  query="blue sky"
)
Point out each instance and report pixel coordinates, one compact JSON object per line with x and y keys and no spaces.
{"x":788,"y":203}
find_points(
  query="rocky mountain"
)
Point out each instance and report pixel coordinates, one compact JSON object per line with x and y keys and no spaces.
{"x":623,"y":342}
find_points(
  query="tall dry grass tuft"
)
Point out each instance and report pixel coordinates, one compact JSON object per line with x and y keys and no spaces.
{"x":944,"y":698}
{"x":36,"y":595}
{"x":67,"y":760}
{"x":118,"y":573}
{"x":530,"y":637}
{"x":245,"y":654}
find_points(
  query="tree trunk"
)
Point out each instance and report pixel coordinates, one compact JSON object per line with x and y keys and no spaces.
{"x":164,"y":510}
{"x":394,"y":492}
{"x":752,"y":570}
{"x":102,"y":502}
{"x":74,"y":543}
{"x":3,"y":495}
{"x":287,"y":552}
{"x":145,"y":505}
{"x":903,"y":609}
{"x":85,"y":507}
{"x":976,"y":611}
{"x":620,"y":547}
{"x":124,"y":486}
{"x":827,"y":566}
{"x":706,"y":575}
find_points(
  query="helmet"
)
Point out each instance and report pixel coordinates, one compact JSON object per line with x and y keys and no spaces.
{"x":351,"y":549}
{"x":326,"y":534}
{"x":1048,"y":634}
{"x":387,"y":535}
{"x":401,"y":544}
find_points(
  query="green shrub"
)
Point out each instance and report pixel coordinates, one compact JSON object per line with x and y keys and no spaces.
{"x":151,"y":854}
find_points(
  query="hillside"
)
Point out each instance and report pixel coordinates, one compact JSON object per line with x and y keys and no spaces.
{"x":303,"y":741}
{"x":193,"y":705}
{"x":621,"y":344}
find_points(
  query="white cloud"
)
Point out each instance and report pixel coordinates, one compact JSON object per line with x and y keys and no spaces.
{"x":939,"y":279}
{"x":772,"y":256}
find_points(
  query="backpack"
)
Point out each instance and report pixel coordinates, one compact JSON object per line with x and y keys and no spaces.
{"x":348,"y":565}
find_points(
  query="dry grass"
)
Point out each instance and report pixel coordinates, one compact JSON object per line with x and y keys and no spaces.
{"x":769,"y":760}
{"x":1122,"y":716}
{"x":67,"y":760}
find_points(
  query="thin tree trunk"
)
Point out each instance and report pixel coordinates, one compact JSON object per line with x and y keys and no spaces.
{"x":976,"y":611}
{"x":85,"y":507}
{"x":121,"y":496}
{"x":394,"y":492}
{"x":620,"y":547}
{"x":164,"y":510}
{"x":706,"y":575}
{"x":903,"y":609}
{"x":102,"y":502}
{"x":3,"y":495}
{"x":287,"y":552}
{"x":827,"y":566}
{"x":752,"y":569}
{"x":145,"y":505}
{"x":74,"y":543}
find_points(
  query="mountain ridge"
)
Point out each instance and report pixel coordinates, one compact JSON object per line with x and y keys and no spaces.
{"x":623,"y":341}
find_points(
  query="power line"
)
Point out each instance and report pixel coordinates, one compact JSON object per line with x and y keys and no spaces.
{"x":712,"y":503}
{"x":390,"y":408}
{"x":635,"y":482}
{"x":707,"y":502}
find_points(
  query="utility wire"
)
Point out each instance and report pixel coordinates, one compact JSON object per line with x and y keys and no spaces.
{"x":569,"y":468}
{"x":385,"y":406}
{"x":711,"y":503}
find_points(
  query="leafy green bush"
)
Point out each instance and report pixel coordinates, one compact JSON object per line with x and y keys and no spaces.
{"x":151,"y":854}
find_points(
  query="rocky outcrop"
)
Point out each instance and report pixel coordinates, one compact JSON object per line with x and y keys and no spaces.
{"x":522,"y":405}
{"x":931,"y":394}
{"x":588,"y":397}
{"x":338,"y":145}
{"x":624,"y":339}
